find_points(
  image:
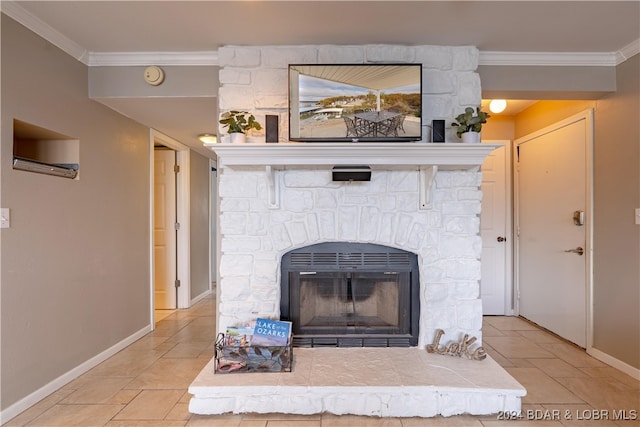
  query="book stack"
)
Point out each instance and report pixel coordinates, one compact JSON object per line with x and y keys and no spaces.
{"x":265,"y":347}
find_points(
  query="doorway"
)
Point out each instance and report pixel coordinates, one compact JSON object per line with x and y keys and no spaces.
{"x":553,"y":223}
{"x":496,"y":284}
{"x":165,"y":230}
{"x":181,"y":282}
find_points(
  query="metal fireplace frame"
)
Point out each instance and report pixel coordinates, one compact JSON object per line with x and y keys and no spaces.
{"x":352,"y":257}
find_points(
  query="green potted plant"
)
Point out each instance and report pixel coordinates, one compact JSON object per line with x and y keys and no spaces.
{"x":469,"y":124}
{"x":238,"y":123}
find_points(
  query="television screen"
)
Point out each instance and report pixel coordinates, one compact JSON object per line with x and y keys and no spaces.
{"x":355,"y":102}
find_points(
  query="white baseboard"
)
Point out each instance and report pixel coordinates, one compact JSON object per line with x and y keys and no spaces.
{"x":201,"y":296}
{"x":30,"y":400}
{"x":615,"y":363}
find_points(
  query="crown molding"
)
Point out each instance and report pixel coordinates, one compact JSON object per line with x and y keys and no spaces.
{"x":628,"y":51}
{"x":44,"y":30}
{"x":557,"y":59}
{"x":124,"y":59}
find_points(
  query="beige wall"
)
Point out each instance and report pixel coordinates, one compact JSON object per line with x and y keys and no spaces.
{"x":616,"y":284}
{"x":616,"y":244}
{"x":199,"y":223}
{"x":75,"y":262}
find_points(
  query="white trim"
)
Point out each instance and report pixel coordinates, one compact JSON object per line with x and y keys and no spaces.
{"x":628,"y":51}
{"x":183,"y":198}
{"x":560,"y":59}
{"x":12,"y":9}
{"x":615,"y":363}
{"x":44,"y":30}
{"x":126,"y":59}
{"x":64,"y":379}
{"x":448,"y":155}
{"x":201,"y":296}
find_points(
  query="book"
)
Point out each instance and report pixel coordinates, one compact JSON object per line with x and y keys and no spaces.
{"x":271,"y":333}
{"x":238,"y":336}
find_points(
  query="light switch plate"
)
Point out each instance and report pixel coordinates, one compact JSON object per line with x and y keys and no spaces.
{"x":637,"y":216}
{"x":5,"y":219}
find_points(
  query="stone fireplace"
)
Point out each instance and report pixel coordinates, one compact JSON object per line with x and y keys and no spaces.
{"x":278,"y":201}
{"x":422,"y":198}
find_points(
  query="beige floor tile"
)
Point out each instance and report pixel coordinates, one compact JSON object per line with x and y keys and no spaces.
{"x":123,"y":397}
{"x":540,"y":337}
{"x":329,"y":420}
{"x":184,"y":350}
{"x":180,"y":411}
{"x":76,"y":415}
{"x":499,"y":358}
{"x":97,"y":390}
{"x":576,"y":415}
{"x":145,"y":423}
{"x":613,"y":373}
{"x":39,"y":408}
{"x":521,"y":363}
{"x":541,"y":388}
{"x":603,"y":393}
{"x":150,"y":379}
{"x":168,"y":374}
{"x":557,"y":368}
{"x":522,"y":423}
{"x":150,"y":405}
{"x":148,"y":342}
{"x":292,"y":423}
{"x":194,"y":333}
{"x":454,"y":421}
{"x":285,"y":417}
{"x":214,"y":421}
{"x":510,"y":323}
{"x":517,"y":348}
{"x":574,"y":356}
{"x":127,"y":363}
{"x":490,"y":331}
{"x":253,"y":423}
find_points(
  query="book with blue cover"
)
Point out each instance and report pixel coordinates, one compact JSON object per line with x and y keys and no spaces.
{"x":271,"y":333}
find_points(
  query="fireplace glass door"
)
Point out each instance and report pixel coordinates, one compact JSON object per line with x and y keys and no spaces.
{"x":349,"y":294}
{"x":341,"y":303}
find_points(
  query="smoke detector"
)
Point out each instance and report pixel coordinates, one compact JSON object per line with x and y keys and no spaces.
{"x":153,"y":75}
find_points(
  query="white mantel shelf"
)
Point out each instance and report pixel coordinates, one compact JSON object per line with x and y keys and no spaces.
{"x":443,"y":155}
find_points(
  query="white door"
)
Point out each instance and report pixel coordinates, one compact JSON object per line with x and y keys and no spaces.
{"x":552,"y":247}
{"x":164,"y":199}
{"x":494,"y":226}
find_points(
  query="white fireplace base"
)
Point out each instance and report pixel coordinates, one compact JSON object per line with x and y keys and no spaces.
{"x":384,"y":382}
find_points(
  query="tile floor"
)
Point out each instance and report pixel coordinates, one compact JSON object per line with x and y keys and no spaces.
{"x":146,"y":384}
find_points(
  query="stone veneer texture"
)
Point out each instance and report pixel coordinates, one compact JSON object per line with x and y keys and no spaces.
{"x":256,"y":79}
{"x":313,"y":209}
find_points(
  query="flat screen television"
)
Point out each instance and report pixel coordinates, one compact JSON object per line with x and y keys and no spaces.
{"x":355,"y":102}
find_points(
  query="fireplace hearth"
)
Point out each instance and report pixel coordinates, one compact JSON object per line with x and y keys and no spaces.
{"x":342,"y":294}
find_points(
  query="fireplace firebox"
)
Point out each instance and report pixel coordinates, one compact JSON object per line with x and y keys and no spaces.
{"x":343,"y":294}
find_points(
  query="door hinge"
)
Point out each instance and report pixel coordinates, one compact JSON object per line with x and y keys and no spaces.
{"x":177,"y":283}
{"x":176,"y":226}
{"x":176,"y":168}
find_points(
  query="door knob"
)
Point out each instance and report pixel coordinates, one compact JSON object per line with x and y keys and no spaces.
{"x":577,"y":250}
{"x":502,"y":239}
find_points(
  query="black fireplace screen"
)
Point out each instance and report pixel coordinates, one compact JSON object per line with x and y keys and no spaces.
{"x":351,"y":294}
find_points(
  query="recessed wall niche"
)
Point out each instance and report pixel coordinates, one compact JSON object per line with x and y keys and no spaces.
{"x":40,"y":150}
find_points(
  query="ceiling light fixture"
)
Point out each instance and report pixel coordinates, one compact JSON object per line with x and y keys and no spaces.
{"x":208,"y":138}
{"x":497,"y":105}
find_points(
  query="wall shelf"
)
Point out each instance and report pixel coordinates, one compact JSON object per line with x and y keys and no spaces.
{"x":447,"y":156}
{"x":427,"y":158}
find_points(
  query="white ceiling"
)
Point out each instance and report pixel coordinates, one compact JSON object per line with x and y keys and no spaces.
{"x":187,"y":27}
